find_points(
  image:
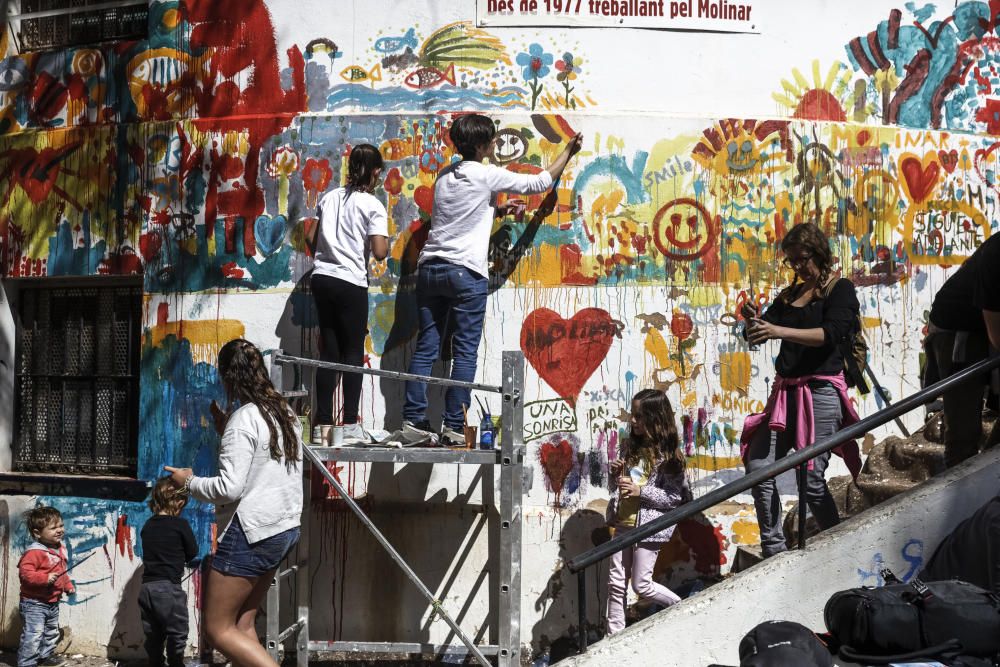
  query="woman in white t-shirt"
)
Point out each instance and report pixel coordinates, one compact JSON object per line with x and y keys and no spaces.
{"x":352,"y":226}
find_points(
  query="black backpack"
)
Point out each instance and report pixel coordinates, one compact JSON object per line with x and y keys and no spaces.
{"x":783,"y":644}
{"x":854,"y":349}
{"x":897,"y":622}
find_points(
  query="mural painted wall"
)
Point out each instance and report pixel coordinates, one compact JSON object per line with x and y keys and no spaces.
{"x":195,"y":158}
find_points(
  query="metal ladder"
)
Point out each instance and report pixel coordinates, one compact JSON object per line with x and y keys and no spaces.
{"x":505,"y":619}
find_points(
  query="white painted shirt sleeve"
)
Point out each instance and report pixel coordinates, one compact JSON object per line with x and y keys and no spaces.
{"x":378,"y":224}
{"x":503,"y":180}
{"x":235,"y":457}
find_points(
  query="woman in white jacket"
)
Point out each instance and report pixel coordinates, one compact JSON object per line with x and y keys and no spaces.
{"x":258,"y":499}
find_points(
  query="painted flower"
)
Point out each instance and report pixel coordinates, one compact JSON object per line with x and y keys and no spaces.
{"x":284,"y":162}
{"x":393,"y":181}
{"x":535,"y":62}
{"x":568,"y":67}
{"x":316,"y":174}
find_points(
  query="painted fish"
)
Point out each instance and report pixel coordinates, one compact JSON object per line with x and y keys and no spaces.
{"x":393,"y":44}
{"x":426,"y":77}
{"x":355,"y":73}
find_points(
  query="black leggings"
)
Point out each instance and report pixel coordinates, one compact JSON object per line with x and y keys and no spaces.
{"x":343,"y":325}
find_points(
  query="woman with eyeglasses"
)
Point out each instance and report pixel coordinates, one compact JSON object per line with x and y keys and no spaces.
{"x":812,"y":317}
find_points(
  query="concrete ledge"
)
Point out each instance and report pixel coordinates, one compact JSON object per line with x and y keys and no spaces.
{"x":901,"y":533}
{"x":84,"y":486}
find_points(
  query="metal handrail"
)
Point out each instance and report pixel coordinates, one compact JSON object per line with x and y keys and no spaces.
{"x":284,"y":359}
{"x":798,"y":458}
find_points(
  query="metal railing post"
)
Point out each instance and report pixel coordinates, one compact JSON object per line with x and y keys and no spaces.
{"x":581,"y":595}
{"x":273,"y":627}
{"x":511,"y":456}
{"x":803,"y":475}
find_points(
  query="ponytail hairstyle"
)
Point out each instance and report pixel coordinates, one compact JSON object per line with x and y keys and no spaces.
{"x":245,"y":378}
{"x":809,"y":237}
{"x":361,"y":166}
{"x":660,"y":439}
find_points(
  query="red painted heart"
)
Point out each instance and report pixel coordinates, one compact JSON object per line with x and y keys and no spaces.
{"x":566,"y":352}
{"x":920,"y":181}
{"x":557,"y":460}
{"x":982,"y":161}
{"x":949,"y":159}
{"x":423,"y":196}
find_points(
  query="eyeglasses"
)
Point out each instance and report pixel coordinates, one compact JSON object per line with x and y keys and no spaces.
{"x":797,"y":261}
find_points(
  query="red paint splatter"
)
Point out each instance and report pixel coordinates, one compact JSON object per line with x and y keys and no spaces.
{"x":681,"y":325}
{"x":36,"y":171}
{"x":557,"y":459}
{"x":240,"y":35}
{"x":707,"y":545}
{"x":149,"y":246}
{"x":230,"y":270}
{"x":123,"y":537}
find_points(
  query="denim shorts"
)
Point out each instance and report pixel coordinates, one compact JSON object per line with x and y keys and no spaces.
{"x":235,"y":556}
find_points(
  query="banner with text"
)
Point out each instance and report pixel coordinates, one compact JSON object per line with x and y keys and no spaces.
{"x":702,"y":15}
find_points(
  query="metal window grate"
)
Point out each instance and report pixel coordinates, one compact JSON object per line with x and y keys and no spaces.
{"x":77,"y":25}
{"x":77,"y":378}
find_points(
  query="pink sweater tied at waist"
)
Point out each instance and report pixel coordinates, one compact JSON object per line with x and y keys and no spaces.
{"x":775,"y":416}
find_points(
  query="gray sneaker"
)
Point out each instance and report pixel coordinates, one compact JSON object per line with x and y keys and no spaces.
{"x":318,"y":439}
{"x":52,"y":661}
{"x":452,"y":438}
{"x":418,"y":435}
{"x":355,"y":433}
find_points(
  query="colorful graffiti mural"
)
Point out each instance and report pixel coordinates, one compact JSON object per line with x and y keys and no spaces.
{"x":196,"y":158}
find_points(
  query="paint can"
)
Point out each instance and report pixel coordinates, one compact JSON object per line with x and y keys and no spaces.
{"x":337,"y":436}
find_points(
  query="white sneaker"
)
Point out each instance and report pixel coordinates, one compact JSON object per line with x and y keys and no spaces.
{"x":452,"y":438}
{"x":355,"y":433}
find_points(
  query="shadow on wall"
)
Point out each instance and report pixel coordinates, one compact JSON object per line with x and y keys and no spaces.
{"x":296,"y":333}
{"x":687,"y":562}
{"x":557,"y":603}
{"x":127,"y":637}
{"x":359,"y":593}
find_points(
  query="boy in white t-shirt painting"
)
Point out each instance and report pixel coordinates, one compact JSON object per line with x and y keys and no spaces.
{"x":452,"y":277}
{"x":352,"y":227}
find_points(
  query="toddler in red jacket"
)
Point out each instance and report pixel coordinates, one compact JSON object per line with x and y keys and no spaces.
{"x":44,"y":578}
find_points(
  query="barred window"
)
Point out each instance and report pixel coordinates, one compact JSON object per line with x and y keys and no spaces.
{"x":78,"y":377}
{"x":55,"y":24}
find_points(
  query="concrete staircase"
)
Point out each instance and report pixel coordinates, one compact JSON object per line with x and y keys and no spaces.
{"x":915,"y":511}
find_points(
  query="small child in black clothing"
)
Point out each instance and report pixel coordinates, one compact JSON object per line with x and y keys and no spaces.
{"x":167,"y":545}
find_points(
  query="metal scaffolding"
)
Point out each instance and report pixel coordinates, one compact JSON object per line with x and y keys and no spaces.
{"x":505,"y":617}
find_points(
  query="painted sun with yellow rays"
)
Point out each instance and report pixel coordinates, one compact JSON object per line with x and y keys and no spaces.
{"x":824,"y":98}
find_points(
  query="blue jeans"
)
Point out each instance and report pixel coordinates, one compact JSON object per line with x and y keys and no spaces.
{"x":40,"y":634}
{"x":450,"y":298}
{"x":768,"y":446}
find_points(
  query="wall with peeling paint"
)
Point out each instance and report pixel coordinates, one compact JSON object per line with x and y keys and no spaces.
{"x":195,"y":159}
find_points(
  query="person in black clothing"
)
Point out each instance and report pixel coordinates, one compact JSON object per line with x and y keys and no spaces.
{"x":809,"y":402}
{"x":167,"y":546}
{"x":971,"y":552}
{"x":964,"y":324}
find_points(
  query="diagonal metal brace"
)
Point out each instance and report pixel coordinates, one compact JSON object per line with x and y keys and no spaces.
{"x":438,"y":609}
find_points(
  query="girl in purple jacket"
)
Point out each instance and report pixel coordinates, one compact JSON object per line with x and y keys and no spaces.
{"x":650,"y":480}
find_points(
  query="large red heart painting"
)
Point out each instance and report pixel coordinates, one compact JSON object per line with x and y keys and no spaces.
{"x":565,"y":353}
